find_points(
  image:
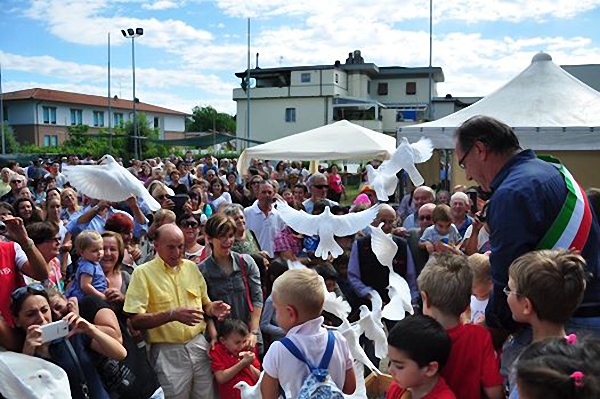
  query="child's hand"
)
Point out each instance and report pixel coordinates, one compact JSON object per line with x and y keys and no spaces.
{"x":247,"y":357}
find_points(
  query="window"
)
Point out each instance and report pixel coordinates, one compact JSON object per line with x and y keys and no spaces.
{"x":337,"y":78}
{"x":50,"y":140}
{"x":99,"y":118}
{"x":290,"y":114}
{"x":5,"y":111}
{"x":411,"y":88}
{"x":305,"y":77}
{"x":368,"y":87}
{"x":156,"y":122}
{"x":76,"y":117}
{"x":382,"y":89}
{"x":49,"y":115}
{"x":118,"y":120}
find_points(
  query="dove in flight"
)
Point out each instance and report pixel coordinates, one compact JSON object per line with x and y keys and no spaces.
{"x":400,"y":298}
{"x":334,"y":304}
{"x":250,"y":391}
{"x":352,"y":334}
{"x":108,"y":181}
{"x":383,"y":179}
{"x":370,"y":323}
{"x":383,"y":246}
{"x":326,"y":225}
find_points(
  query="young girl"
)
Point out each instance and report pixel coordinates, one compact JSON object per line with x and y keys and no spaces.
{"x":231,"y":361}
{"x":89,"y":277}
{"x":559,"y":368}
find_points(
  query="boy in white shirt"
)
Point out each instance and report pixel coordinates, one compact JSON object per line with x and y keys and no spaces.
{"x":298,"y":297}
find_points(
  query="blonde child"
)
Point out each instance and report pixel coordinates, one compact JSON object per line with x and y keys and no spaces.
{"x":231,"y":361}
{"x":443,"y":235}
{"x":298,"y":297}
{"x":89,"y":277}
{"x":445,"y":285}
{"x":482,"y":286}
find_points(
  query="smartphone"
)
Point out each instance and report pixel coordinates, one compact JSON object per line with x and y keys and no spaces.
{"x":55,"y":330}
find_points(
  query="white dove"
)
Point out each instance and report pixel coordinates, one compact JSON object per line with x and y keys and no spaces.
{"x":383,"y":246}
{"x":108,"y":181}
{"x":334,"y":304}
{"x":250,"y":391}
{"x":326,"y":225}
{"x":383,"y":179}
{"x":352,"y":334}
{"x":400,"y":298}
{"x":370,"y":323}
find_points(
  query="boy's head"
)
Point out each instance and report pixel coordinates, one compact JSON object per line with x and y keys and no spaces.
{"x":233,"y":334}
{"x":418,"y":348}
{"x":89,"y":245}
{"x":329,"y":274}
{"x":298,"y":296}
{"x":445,"y":284}
{"x":442,"y":218}
{"x":546,"y":284}
{"x":482,"y":277}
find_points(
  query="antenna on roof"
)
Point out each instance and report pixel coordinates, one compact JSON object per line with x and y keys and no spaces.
{"x":280,"y":60}
{"x":256,"y":66}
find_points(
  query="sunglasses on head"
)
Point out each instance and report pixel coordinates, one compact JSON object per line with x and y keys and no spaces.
{"x":320,"y":186}
{"x":190,"y":223}
{"x":35,"y":288}
{"x":425,"y":217}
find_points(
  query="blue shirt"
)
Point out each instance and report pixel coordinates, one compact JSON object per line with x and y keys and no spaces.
{"x":528,"y":194}
{"x":92,"y":269}
{"x":97,"y":223}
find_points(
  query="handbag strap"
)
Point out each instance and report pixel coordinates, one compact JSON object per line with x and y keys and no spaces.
{"x":245,"y":278}
{"x":84,"y":384}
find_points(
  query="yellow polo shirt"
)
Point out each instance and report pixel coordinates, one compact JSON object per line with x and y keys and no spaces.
{"x":155,"y":287}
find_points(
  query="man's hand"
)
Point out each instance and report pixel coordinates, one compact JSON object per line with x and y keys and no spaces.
{"x":188,"y":316}
{"x":251,"y":341}
{"x":220,"y":309}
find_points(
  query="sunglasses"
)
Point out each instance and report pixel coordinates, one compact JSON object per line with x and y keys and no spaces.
{"x":320,"y":186}
{"x":35,"y":288}
{"x":190,"y":224}
{"x":15,"y":181}
{"x":424,"y":217}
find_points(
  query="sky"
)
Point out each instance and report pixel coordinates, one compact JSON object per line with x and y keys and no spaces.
{"x":191,"y":49}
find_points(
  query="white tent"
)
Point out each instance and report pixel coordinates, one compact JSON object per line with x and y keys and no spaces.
{"x":340,"y":140}
{"x":548,"y":108}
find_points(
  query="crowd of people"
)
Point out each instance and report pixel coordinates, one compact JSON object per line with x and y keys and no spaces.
{"x":190,"y":300}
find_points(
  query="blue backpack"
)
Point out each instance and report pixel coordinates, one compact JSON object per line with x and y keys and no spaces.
{"x":318,"y":385}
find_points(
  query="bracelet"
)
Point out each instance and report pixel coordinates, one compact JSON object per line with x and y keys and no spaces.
{"x":29,"y":245}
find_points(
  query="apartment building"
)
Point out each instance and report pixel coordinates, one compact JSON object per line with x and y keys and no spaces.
{"x":42,"y":116}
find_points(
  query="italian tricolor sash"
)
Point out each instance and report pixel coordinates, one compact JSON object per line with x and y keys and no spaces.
{"x":572,"y":225}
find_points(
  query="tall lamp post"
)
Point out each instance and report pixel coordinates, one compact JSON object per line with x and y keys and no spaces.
{"x":131,"y":33}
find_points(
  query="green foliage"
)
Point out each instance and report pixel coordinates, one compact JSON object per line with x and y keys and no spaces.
{"x":11,"y":145}
{"x":205,"y":119}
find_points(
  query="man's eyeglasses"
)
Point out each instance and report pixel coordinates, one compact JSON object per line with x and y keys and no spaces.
{"x":424,"y":217}
{"x":508,"y":291}
{"x":190,"y":224}
{"x":461,"y":162}
{"x":320,"y":186}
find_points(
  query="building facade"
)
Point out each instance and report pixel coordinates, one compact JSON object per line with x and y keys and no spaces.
{"x":43,"y":116}
{"x":285,"y":101}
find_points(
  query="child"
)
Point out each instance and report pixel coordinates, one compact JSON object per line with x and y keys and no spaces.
{"x":560,"y":369}
{"x":544,"y":289}
{"x":89,"y":277}
{"x":268,"y":319}
{"x":230,"y":361}
{"x":445,"y":285}
{"x":298,"y":297}
{"x":418,"y":348}
{"x":482,"y":286}
{"x":442,"y":231}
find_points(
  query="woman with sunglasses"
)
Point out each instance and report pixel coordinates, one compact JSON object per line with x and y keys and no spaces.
{"x":190,"y":225}
{"x":31,"y":309}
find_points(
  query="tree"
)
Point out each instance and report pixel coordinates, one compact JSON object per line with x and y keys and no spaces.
{"x":205,"y":119}
{"x":11,"y":145}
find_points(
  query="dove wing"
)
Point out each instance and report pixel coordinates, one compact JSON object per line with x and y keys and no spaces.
{"x":349,"y":224}
{"x":422,"y":150}
{"x":383,"y":246}
{"x":98,"y":182}
{"x":336,"y":305}
{"x":299,"y":221}
{"x":399,"y":158}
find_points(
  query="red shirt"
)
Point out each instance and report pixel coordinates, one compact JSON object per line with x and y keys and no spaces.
{"x":222,"y":359}
{"x":439,"y":391}
{"x":472,"y":364}
{"x":10,"y":279}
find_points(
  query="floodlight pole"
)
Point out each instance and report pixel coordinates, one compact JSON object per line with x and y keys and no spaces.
{"x":132,"y":34}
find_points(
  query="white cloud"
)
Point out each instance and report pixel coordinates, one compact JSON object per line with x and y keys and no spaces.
{"x":161,"y":5}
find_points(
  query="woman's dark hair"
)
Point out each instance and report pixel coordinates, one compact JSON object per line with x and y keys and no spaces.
{"x":278,"y":165}
{"x":40,"y":232}
{"x":53,"y":189}
{"x":19,"y":296}
{"x":276,"y":269}
{"x":593,"y":195}
{"x":120,"y":245}
{"x":231,"y":174}
{"x":303,"y":186}
{"x":497,"y":136}
{"x":35,"y":214}
{"x":185,"y":216}
{"x":8,"y":206}
{"x":422,"y":339}
{"x":326,"y":271}
{"x":230,"y":326}
{"x":545,"y":369}
{"x":219,"y":225}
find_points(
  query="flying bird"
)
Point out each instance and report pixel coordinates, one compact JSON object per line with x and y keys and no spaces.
{"x":326,"y":225}
{"x":250,"y":391}
{"x":370,"y":323}
{"x":383,"y":246}
{"x":400,"y":298}
{"x":108,"y":181}
{"x":383,"y":179}
{"x":352,"y":333}
{"x":334,"y":304}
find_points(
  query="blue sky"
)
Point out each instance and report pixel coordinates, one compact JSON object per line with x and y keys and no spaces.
{"x":191,"y":49}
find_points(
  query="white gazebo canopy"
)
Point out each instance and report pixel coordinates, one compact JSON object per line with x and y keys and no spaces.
{"x":548,"y":108}
{"x":339,"y":140}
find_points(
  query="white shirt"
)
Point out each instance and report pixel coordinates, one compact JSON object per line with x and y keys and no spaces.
{"x":478,"y":309}
{"x":482,"y":238}
{"x":311,"y":339}
{"x":264,"y":226}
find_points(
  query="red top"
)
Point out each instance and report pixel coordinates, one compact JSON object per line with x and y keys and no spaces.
{"x":472,"y":364}
{"x":10,"y":279}
{"x":222,"y":359}
{"x":335,"y":183}
{"x":439,"y":391}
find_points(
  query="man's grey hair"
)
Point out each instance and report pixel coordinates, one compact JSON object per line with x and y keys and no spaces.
{"x":426,"y":188}
{"x":315,"y":176}
{"x":233,"y":209}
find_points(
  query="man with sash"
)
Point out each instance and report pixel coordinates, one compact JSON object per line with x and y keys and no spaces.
{"x":534,"y":204}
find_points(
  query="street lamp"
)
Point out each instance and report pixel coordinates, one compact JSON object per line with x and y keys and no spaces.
{"x":131,"y":33}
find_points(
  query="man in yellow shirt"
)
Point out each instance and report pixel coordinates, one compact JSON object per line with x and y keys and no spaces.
{"x":167,"y":297}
